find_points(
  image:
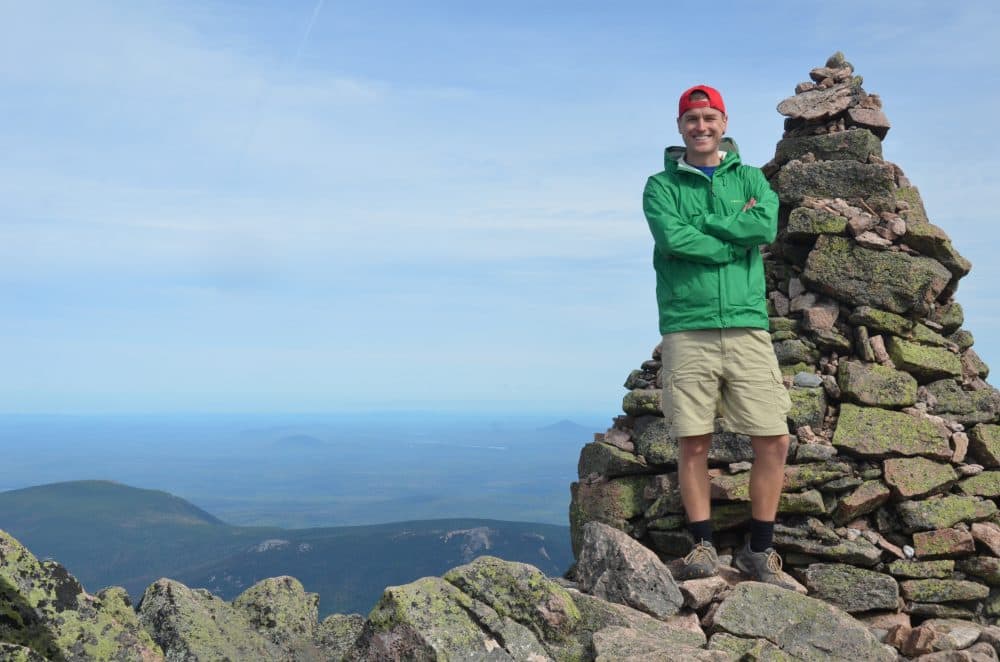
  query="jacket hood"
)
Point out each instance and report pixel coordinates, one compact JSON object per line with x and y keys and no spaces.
{"x":674,"y":153}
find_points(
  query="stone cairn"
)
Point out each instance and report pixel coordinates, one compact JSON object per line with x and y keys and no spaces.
{"x":890,"y":494}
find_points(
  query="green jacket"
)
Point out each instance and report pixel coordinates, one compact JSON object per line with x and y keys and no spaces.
{"x":709,"y":271}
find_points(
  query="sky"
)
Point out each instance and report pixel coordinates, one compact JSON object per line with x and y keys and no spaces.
{"x":321,"y":206}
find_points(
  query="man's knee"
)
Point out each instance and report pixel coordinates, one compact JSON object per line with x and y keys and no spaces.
{"x":773,"y":448}
{"x":695,"y":446}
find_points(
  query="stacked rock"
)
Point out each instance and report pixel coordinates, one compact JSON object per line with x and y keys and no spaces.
{"x":893,"y":474}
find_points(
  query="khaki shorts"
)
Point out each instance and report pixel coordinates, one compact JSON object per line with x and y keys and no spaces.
{"x":732,"y":373}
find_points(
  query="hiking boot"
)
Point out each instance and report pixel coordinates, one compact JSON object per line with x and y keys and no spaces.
{"x":762,"y":566}
{"x":701,"y":561}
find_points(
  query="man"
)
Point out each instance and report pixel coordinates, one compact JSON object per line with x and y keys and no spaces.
{"x":708,"y":214}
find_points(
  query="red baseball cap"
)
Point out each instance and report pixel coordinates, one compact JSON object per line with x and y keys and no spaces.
{"x":714,"y":100}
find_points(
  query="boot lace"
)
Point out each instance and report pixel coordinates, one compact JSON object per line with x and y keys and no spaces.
{"x":774,"y":562}
{"x":700,"y":552}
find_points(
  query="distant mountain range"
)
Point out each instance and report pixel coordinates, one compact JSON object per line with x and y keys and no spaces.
{"x":109,"y":534}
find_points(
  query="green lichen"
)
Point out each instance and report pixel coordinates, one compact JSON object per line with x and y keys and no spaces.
{"x":876,"y":432}
{"x":942,"y":590}
{"x":642,"y":402}
{"x":808,"y":407}
{"x":940,"y":569}
{"x":809,"y":502}
{"x":943,"y":512}
{"x":923,"y":362}
{"x":985,"y":484}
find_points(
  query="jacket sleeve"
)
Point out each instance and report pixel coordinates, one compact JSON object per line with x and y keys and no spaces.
{"x":676,"y":237}
{"x":757,"y":225}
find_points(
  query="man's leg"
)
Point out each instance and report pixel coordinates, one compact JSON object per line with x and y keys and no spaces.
{"x":766,"y":479}
{"x":692,"y":474}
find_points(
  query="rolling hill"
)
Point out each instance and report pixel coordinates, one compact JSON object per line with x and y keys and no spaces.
{"x":108,"y":534}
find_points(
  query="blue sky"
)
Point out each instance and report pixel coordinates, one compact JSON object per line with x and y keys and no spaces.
{"x":325,"y":206}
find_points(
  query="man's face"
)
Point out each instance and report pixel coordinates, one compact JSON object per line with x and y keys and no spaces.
{"x":702,"y":130}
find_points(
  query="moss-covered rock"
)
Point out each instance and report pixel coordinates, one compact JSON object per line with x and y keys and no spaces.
{"x":813,"y":474}
{"x":963,"y":339}
{"x":891,"y":281}
{"x":613,"y":644}
{"x":966,"y":407}
{"x":802,"y":627}
{"x":917,"y":477}
{"x":875,"y":432}
{"x":986,"y":484}
{"x":986,"y":568}
{"x":18,"y":653}
{"x":943,"y":512}
{"x":850,"y":588}
{"x":808,"y":407}
{"x":876,"y":385}
{"x":942,"y":590}
{"x":45,"y":609}
{"x":984,"y":444}
{"x":943,"y":543}
{"x":805,"y":224}
{"x":925,"y":363}
{"x":827,"y":545}
{"x":932,"y":241}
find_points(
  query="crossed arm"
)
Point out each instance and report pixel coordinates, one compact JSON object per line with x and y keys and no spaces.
{"x":717,"y":238}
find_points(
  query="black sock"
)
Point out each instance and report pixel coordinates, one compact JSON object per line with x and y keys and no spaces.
{"x":761,"y":535}
{"x":701,"y":530}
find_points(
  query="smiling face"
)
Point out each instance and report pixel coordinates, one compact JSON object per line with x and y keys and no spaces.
{"x":702,"y":130}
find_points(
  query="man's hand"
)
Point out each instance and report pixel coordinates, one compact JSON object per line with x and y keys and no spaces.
{"x":750,"y":203}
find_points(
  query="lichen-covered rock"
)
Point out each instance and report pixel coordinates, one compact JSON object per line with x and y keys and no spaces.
{"x":932,"y":241}
{"x":653,"y":441}
{"x":984,"y":444}
{"x":613,"y":502}
{"x":986,"y":568}
{"x":896,"y":282}
{"x":45,"y":609}
{"x":742,"y":648}
{"x":943,"y":512}
{"x":942,"y":590}
{"x":876,"y":385}
{"x":597,"y":614}
{"x":865,"y":498}
{"x":643,"y":402}
{"x":917,"y":477}
{"x":950,"y":316}
{"x":793,"y":352}
{"x":337,"y":634}
{"x":925,"y":363}
{"x":967,"y":407}
{"x":801,"y":626}
{"x":615,"y":567}
{"x":875,"y":432}
{"x":809,"y":502}
{"x":428,"y":619}
{"x":615,"y":644}
{"x":609,"y":461}
{"x":850,"y":588}
{"x":518,"y":591}
{"x":943,"y":543}
{"x":829,"y":547}
{"x":851,"y":145}
{"x":18,"y":653}
{"x":280,"y":609}
{"x":805,"y":224}
{"x":193,"y":624}
{"x":831,"y":179}
{"x":808,"y":407}
{"x":941,"y":569}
